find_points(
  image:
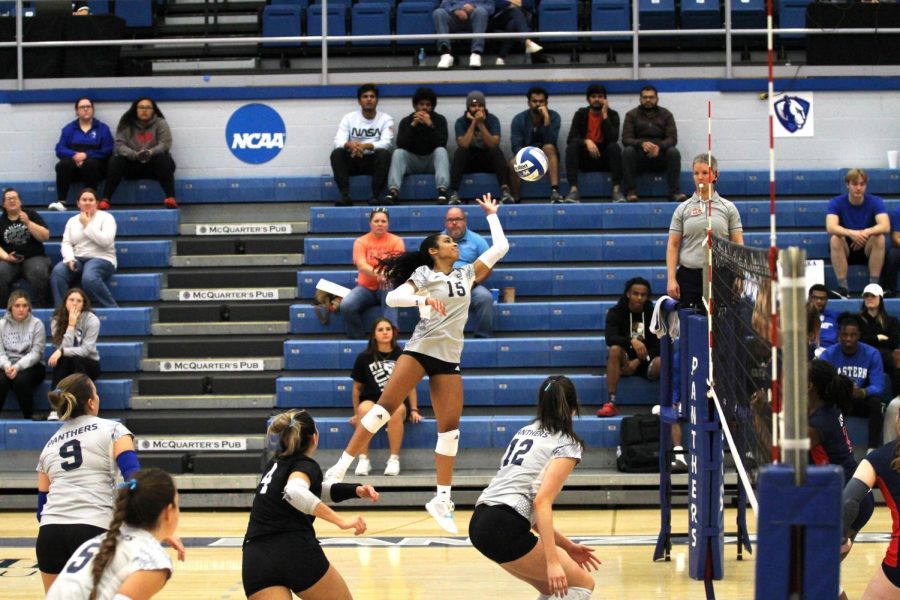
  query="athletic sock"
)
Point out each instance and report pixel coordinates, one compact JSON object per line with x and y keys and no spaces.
{"x":443,"y":491}
{"x":345,"y":461}
{"x":612,"y":398}
{"x":874,"y":278}
{"x":842,"y":283}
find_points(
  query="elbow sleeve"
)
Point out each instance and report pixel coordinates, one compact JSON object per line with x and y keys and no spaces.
{"x":405,"y":295}
{"x":128,"y":463}
{"x":854,"y":493}
{"x":298,"y":495}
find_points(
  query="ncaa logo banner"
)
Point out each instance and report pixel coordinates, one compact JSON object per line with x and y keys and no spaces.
{"x":255,"y":133}
{"x":793,"y":115}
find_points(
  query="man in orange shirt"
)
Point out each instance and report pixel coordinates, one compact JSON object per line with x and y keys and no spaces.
{"x":367,"y":249}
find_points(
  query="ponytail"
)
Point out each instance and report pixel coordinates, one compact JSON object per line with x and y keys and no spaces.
{"x":291,"y":432}
{"x":71,"y":396}
{"x":557,"y":403}
{"x":139,"y":503}
{"x":398,"y":268}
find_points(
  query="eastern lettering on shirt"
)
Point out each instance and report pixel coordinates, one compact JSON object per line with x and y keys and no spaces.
{"x":854,"y":372}
{"x":381,"y":371}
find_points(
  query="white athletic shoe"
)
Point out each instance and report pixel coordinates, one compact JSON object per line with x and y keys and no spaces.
{"x":446,"y":61}
{"x":334,"y":475}
{"x":393,"y":467}
{"x":60,"y":206}
{"x":364,"y":466}
{"x":500,"y":62}
{"x":474,"y":61}
{"x":532,"y":47}
{"x":442,"y":511}
{"x":53,"y":416}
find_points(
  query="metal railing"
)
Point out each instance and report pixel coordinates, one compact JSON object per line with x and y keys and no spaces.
{"x":635,"y":34}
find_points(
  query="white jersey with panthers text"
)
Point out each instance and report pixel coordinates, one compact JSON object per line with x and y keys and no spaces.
{"x":522,"y":469}
{"x":79,"y":461}
{"x":136,"y":550}
{"x":441,"y":337}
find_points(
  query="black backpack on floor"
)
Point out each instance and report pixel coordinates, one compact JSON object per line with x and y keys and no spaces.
{"x":639,"y":444}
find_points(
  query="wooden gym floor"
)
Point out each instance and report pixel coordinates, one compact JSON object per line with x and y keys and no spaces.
{"x":403,"y":556}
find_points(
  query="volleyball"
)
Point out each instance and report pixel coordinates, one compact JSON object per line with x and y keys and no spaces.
{"x":531,"y":163}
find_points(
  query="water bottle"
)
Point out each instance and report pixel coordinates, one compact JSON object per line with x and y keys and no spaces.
{"x":420,"y":57}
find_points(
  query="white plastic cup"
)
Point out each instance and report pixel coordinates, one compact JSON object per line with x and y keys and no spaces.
{"x":892,"y":159}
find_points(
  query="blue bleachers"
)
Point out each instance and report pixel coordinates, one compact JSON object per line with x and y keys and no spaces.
{"x":657,"y":14}
{"x":371,"y":18}
{"x":701,"y":14}
{"x":558,"y":15}
{"x":791,"y":14}
{"x":129,"y":253}
{"x":115,"y":357}
{"x":748,"y":14}
{"x":136,"y":287}
{"x":337,"y":21}
{"x":128,"y":222}
{"x":305,"y":355}
{"x":415,"y":18}
{"x":113,"y":321}
{"x":610,"y":15}
{"x":282,"y":20}
{"x":115,"y":394}
{"x":137,"y":13}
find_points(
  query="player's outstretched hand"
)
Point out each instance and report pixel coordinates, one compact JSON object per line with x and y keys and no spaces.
{"x":368,"y":492}
{"x":489,"y":204}
{"x":584,"y":556}
{"x":357,"y":524}
{"x":176,"y":543}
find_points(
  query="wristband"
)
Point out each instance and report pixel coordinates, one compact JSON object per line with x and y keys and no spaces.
{"x":414,"y":410}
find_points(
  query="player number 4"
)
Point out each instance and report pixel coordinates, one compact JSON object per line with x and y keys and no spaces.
{"x":267,"y":479}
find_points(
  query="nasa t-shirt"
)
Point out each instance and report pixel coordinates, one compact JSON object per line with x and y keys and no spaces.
{"x":378,"y":131}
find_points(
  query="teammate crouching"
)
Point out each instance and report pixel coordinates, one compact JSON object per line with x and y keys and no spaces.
{"x":521,"y":495}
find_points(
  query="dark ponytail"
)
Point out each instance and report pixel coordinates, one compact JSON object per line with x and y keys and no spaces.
{"x":398,"y":268}
{"x":139,"y":503}
{"x":557,"y":403}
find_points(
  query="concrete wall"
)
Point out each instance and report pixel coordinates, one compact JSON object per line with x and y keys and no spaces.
{"x":852,"y":129}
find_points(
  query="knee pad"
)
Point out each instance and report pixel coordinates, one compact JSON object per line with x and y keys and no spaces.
{"x":447,"y":443}
{"x":375,"y":419}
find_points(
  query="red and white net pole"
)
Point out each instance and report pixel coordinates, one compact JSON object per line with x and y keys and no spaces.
{"x":708,"y":190}
{"x":775,"y":399}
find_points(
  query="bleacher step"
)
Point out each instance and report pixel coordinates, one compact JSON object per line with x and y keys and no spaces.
{"x":251,"y":363}
{"x":241,"y":260}
{"x":220,"y":328}
{"x":256,"y":278}
{"x":187,"y":65}
{"x":229,"y":294}
{"x":195,"y":384}
{"x":210,"y":401}
{"x":199,"y":443}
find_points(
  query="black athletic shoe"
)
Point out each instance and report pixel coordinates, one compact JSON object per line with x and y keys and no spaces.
{"x":839,"y":293}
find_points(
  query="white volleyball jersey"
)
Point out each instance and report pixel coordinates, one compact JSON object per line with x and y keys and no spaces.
{"x":522,"y":469}
{"x":136,"y":550}
{"x":79,"y":461}
{"x":439,"y":336}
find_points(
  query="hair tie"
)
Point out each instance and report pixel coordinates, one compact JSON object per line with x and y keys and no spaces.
{"x":130,"y":484}
{"x":57,"y":391}
{"x":549,"y":383}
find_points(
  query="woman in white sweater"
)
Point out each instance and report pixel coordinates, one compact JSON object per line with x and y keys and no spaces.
{"x":88,"y":253}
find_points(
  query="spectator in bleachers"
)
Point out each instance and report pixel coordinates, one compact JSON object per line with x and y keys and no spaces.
{"x":362,"y":146}
{"x":633,"y":350}
{"x":593,"y":143}
{"x":687,"y":233}
{"x":88,"y":253}
{"x":862,"y":364}
{"x":74,"y":329}
{"x":22,"y":236}
{"x":471,"y":246}
{"x":22,"y":339}
{"x":83,"y":150}
{"x":511,"y":17}
{"x":143,"y":142}
{"x":478,"y":148}
{"x":892,"y":260}
{"x":856,"y":222}
{"x":538,"y":126}
{"x":368,"y":249}
{"x":457,"y":16}
{"x":828,"y":330}
{"x":421,"y":147}
{"x":371,"y":371}
{"x":649,"y":136}
{"x":881,"y":330}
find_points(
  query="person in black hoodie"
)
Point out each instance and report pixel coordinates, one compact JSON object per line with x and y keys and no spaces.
{"x":633,"y":350}
{"x":421,"y":147}
{"x":593,"y":143}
